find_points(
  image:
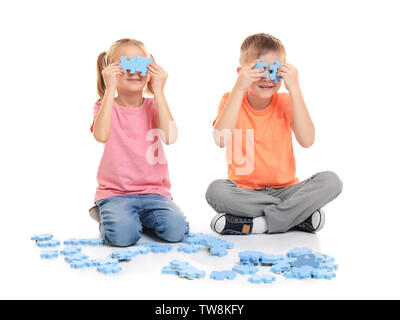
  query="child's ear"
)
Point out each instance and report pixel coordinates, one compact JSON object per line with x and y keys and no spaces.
{"x":238,"y":69}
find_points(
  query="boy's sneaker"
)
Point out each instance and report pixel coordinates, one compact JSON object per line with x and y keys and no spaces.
{"x":313,"y":223}
{"x":224,"y":223}
{"x":94,"y":213}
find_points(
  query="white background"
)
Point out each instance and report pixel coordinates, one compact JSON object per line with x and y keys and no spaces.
{"x":347,"y":54}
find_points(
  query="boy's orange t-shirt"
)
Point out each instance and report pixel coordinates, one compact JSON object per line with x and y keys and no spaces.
{"x":272,"y":163}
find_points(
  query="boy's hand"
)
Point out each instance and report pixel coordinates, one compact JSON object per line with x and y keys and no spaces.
{"x":290,"y":76}
{"x":158,"y":75}
{"x":247,"y":76}
{"x":110,"y":74}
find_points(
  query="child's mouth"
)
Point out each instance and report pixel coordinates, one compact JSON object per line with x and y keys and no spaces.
{"x":265,"y":87}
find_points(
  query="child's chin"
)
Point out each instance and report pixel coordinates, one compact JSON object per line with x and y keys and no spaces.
{"x":264,"y":94}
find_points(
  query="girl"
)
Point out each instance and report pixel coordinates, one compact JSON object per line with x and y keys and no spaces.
{"x":133,"y":181}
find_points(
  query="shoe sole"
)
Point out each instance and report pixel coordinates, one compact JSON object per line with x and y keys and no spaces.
{"x":215,"y":220}
{"x":321,"y":220}
{"x":94,"y":213}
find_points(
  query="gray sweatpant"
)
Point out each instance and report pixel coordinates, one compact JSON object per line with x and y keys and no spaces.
{"x":283,"y":208}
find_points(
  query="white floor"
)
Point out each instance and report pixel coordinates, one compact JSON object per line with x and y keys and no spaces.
{"x":360,"y":275}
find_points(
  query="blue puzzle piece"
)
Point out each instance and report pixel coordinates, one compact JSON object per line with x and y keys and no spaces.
{"x":105,"y":261}
{"x":273,"y":69}
{"x":178,"y":264}
{"x":304,"y":272}
{"x":72,"y":241}
{"x":265,"y":278}
{"x":280,"y":267}
{"x":222,"y":275}
{"x":48,"y":243}
{"x":80,"y":264}
{"x":70,"y":250}
{"x":323,"y":258}
{"x":169,"y":270}
{"x":191,"y":272}
{"x":218,"y":251}
{"x":157,"y":247}
{"x":109,"y":268}
{"x":92,"y":242}
{"x":189,"y":249}
{"x":305,"y":260}
{"x":260,"y":65}
{"x":251,"y":257}
{"x":270,"y":259}
{"x":76,"y":257}
{"x":49,"y":254}
{"x":123,"y":254}
{"x":135,"y":64}
{"x":42,"y":237}
{"x":323,"y":274}
{"x":245,"y":269}
{"x":330,"y":266}
{"x":298,"y":252}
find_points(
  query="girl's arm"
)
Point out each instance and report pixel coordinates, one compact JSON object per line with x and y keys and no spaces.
{"x":102,"y":122}
{"x":302,"y":124}
{"x":165,"y":120}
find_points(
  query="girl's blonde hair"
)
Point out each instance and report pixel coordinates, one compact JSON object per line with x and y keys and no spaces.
{"x":257,"y":44}
{"x":107,"y":56}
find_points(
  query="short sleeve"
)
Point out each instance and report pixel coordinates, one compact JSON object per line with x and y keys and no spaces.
{"x":96,"y":110}
{"x":221,"y":106}
{"x":287,"y":107}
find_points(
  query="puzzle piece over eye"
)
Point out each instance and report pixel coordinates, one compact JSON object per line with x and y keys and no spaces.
{"x":261,"y":65}
{"x":135,"y":64}
{"x":273,"y":70}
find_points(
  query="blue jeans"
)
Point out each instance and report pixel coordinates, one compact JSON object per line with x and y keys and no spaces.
{"x":122,"y":218}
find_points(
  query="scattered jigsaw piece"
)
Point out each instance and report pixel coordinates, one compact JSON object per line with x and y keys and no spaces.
{"x":169,"y":270}
{"x":42,"y":237}
{"x":129,"y":253}
{"x":72,"y":241}
{"x":48,"y":243}
{"x":323,"y":274}
{"x":189,"y":249}
{"x":135,"y":64}
{"x":81,"y":264}
{"x":105,"y":261}
{"x":245,"y":269}
{"x":298,"y":252}
{"x":270,"y":259}
{"x":191,"y":272}
{"x":330,"y":266}
{"x":70,"y":250}
{"x":305,"y":260}
{"x":157,"y":247}
{"x":109,"y":268}
{"x":91,"y":242}
{"x":76,"y":257}
{"x":49,"y":254}
{"x":265,"y":278}
{"x":281,"y":266}
{"x":218,"y":251}
{"x":304,"y":272}
{"x":183,"y":269}
{"x":251,"y":257}
{"x":222,"y":275}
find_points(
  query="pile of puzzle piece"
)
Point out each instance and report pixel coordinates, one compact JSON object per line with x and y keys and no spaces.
{"x":298,"y":263}
{"x":135,"y":64}
{"x":270,"y":70}
{"x":78,"y":260}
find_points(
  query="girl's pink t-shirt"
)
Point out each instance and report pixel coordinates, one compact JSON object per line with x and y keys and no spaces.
{"x":133,"y":160}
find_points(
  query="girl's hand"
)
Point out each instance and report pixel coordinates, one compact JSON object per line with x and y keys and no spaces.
{"x":158,"y":76}
{"x":290,"y":76}
{"x":248,"y":75}
{"x":110,"y":74}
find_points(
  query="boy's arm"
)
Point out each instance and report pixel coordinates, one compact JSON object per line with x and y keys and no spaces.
{"x":302,"y":124}
{"x":226,"y":122}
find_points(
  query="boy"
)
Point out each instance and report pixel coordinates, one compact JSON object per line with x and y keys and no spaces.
{"x":255,"y":123}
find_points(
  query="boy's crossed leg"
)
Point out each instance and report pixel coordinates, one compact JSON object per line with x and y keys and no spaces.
{"x":282,"y":208}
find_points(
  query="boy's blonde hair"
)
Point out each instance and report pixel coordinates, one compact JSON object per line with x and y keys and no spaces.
{"x":106,"y":57}
{"x":258,"y":44}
